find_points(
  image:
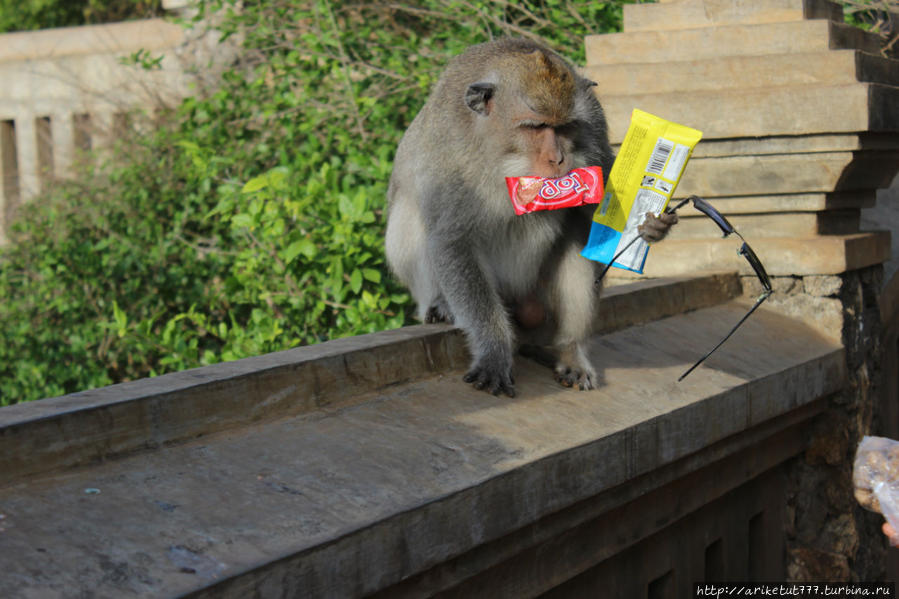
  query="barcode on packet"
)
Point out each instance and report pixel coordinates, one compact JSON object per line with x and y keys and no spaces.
{"x":659,"y":156}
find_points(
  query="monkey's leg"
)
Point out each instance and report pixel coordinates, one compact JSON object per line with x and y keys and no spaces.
{"x":479,"y":312}
{"x":407,"y":256}
{"x":573,"y":299}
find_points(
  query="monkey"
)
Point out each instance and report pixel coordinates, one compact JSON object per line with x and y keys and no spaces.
{"x":509,"y":107}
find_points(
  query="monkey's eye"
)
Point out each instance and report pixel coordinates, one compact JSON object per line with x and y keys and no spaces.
{"x":532,"y":126}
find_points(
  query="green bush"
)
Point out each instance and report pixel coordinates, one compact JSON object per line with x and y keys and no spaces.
{"x":874,"y":15}
{"x":251,"y":220}
{"x":23,"y":15}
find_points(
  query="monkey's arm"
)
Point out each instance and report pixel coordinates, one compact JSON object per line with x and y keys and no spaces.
{"x":474,"y":302}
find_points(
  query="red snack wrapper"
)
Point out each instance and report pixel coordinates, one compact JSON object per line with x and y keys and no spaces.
{"x":579,"y":186}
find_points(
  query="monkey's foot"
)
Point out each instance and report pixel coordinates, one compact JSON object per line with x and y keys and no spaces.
{"x":574,"y":369}
{"x":569,"y":377}
{"x":491,"y":379}
{"x":438,"y":312}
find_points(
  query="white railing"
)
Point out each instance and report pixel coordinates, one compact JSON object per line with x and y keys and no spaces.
{"x":66,"y":91}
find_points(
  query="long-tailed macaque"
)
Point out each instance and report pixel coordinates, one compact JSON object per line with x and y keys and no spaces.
{"x":501,"y":109}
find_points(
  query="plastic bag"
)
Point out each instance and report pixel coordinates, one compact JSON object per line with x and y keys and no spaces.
{"x":875,"y":476}
{"x":643,"y":178}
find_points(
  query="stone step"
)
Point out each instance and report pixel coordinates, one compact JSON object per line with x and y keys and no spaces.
{"x":694,"y":225}
{"x":688,"y":14}
{"x":824,"y":67}
{"x":795,"y":144}
{"x":788,"y":173}
{"x":734,"y":40}
{"x":769,"y":111}
{"x":792,"y":202}
{"x":813,"y":255}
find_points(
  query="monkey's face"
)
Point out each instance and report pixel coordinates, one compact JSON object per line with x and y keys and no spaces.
{"x":549,"y":147}
{"x":527,"y":112}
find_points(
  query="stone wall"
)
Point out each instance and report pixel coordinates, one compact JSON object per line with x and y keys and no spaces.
{"x":367,"y":467}
{"x":800,"y":114}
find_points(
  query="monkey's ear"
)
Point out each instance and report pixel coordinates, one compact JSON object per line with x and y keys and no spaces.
{"x":477,"y":97}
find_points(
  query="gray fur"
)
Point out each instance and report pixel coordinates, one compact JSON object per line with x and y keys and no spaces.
{"x":453,"y":238}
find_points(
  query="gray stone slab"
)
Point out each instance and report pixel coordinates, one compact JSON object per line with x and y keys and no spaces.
{"x":789,"y":173}
{"x":796,"y":144}
{"x":694,"y":225}
{"x":825,"y":67}
{"x":353,"y":498}
{"x":688,"y":14}
{"x":795,"y":202}
{"x":763,"y":112}
{"x":733,"y":40}
{"x":783,"y":256}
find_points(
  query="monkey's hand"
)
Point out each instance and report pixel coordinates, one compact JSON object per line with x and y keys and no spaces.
{"x":655,"y":228}
{"x":492,"y":374}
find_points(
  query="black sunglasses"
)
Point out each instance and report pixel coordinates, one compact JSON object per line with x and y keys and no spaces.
{"x":744,"y":251}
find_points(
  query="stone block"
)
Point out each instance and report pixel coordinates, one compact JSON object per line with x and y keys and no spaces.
{"x":825,"y":67}
{"x":784,"y":224}
{"x":818,"y":255}
{"x":709,"y":13}
{"x":788,"y":173}
{"x":796,"y":144}
{"x":822,"y":286}
{"x":735,"y":40}
{"x":795,"y":202}
{"x":767,"y":111}
{"x":625,"y":304}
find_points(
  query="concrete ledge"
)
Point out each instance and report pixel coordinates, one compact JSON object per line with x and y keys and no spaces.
{"x":350,"y":500}
{"x":129,"y":36}
{"x":87,"y":427}
{"x":90,"y":426}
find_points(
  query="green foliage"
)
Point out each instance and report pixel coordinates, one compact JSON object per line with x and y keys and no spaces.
{"x":23,"y":15}
{"x":873,"y":15}
{"x":252,"y":220}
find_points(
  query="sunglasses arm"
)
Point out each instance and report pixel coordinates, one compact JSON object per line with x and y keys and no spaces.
{"x":765,"y":295}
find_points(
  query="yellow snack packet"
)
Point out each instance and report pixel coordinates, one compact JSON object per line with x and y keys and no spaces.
{"x":643,"y":178}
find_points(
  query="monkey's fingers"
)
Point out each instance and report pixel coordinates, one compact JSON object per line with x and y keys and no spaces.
{"x":669,"y":218}
{"x":655,"y":228}
{"x":485,"y":379}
